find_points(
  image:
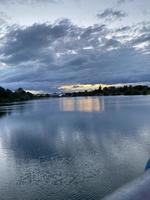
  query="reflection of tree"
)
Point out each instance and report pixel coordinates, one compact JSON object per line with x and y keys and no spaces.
{"x":4,"y":111}
{"x":8,"y":108}
{"x":2,"y":114}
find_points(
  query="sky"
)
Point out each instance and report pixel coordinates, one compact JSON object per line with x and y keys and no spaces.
{"x":50,"y":44}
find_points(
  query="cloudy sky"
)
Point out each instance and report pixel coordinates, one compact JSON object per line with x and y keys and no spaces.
{"x":45,"y":44}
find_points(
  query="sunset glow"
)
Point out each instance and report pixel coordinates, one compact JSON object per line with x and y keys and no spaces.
{"x":82,"y":87}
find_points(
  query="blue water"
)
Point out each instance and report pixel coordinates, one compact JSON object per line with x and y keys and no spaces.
{"x":72,"y":148}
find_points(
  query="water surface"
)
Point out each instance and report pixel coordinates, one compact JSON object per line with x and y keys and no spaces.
{"x":72,"y":148}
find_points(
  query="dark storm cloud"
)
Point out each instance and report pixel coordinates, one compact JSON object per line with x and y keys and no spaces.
{"x":33,"y":43}
{"x":111,"y":14}
{"x":45,"y":56}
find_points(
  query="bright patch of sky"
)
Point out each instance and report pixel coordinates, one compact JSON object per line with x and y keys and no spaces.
{"x":81,"y":12}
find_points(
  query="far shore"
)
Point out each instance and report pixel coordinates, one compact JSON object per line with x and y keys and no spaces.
{"x":7,"y":96}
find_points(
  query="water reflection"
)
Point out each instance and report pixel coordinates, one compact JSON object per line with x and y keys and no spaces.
{"x":86,"y":104}
{"x":8,"y":108}
{"x":4,"y":111}
{"x":48,"y":154}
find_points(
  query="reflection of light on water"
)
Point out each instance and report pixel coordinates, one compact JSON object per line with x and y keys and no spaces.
{"x":67,"y":104}
{"x":87,"y":104}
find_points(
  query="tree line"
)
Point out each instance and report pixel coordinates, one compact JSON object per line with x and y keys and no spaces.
{"x":114,"y":91}
{"x":18,"y":95}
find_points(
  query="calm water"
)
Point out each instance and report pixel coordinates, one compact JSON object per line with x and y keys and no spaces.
{"x":72,"y":148}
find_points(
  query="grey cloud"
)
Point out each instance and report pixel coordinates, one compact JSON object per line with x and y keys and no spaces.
{"x":45,"y":56}
{"x":142,"y":31}
{"x":93,"y":30}
{"x":111,"y":14}
{"x":141,"y":39}
{"x":111,"y":43}
{"x":123,"y":1}
{"x":32,"y":43}
{"x":78,"y":61}
{"x":107,"y":68}
{"x":124,"y":28}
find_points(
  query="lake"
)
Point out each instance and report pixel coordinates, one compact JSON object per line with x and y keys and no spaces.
{"x":72,"y":148}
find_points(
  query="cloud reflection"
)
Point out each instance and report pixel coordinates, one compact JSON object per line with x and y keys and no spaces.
{"x":73,"y":155}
